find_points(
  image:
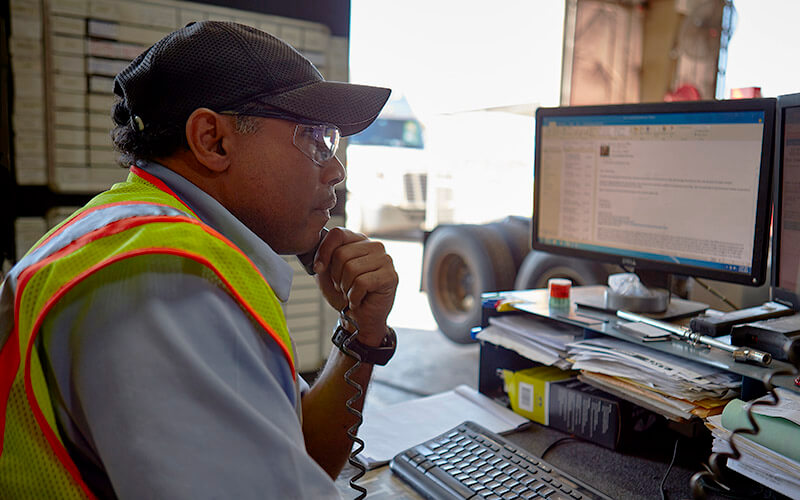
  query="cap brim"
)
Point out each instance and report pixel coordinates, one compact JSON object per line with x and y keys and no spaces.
{"x":350,"y":107}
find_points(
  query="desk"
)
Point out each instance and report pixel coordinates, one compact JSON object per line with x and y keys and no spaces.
{"x":626,"y":475}
{"x":620,"y":475}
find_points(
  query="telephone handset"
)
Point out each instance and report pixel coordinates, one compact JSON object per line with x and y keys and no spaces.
{"x":307,"y":259}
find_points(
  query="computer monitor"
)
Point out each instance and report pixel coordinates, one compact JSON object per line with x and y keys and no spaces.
{"x":679,"y":187}
{"x":786,"y":213}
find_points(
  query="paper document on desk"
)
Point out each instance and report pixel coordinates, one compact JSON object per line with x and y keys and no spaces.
{"x":757,"y":462}
{"x":663,"y":372}
{"x":389,"y":430}
{"x":541,"y":341}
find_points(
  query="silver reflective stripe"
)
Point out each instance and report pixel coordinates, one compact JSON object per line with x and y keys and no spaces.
{"x":86,"y":224}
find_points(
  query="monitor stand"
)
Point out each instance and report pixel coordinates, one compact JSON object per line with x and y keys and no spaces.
{"x":596,"y":297}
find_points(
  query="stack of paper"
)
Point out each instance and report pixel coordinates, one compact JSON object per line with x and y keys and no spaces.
{"x":391,"y":429}
{"x":757,"y":462}
{"x":533,"y":338}
{"x":672,"y":386}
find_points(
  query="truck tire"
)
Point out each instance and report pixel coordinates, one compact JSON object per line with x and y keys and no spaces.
{"x":516,"y":232}
{"x":538,"y":267}
{"x":460,"y":263}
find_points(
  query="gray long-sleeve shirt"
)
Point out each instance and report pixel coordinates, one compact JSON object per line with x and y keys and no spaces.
{"x":164,"y":388}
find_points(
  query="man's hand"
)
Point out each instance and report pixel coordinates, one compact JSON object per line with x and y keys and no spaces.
{"x":356,"y":272}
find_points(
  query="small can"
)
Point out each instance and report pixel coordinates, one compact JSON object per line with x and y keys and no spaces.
{"x":558,"y":289}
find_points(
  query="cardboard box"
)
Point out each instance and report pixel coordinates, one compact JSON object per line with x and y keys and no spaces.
{"x":556,"y":398}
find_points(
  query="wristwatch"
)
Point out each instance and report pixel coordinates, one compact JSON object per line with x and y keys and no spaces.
{"x":373,"y":355}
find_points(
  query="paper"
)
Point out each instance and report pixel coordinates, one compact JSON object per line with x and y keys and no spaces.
{"x":389,"y":430}
{"x":788,"y":407}
{"x":541,"y":341}
{"x":757,"y":462}
{"x":668,"y":374}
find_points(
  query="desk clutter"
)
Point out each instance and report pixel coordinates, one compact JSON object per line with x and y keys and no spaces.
{"x":581,"y":372}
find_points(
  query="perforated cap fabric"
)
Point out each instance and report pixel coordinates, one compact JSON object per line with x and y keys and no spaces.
{"x":224,"y":65}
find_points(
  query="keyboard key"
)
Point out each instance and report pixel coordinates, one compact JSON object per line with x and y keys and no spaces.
{"x":547,"y":492}
{"x":450,"y":482}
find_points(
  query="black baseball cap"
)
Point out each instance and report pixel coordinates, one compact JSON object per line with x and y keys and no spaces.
{"x":227,"y":66}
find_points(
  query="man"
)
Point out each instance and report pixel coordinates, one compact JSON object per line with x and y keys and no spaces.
{"x":144,"y":351}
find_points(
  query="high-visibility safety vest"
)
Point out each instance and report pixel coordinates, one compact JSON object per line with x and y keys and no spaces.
{"x":140,"y":218}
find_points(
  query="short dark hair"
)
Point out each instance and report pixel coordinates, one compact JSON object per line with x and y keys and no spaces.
{"x":155,"y":140}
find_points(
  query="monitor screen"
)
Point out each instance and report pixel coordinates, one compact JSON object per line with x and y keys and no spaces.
{"x":681,"y":187}
{"x":786,"y":217}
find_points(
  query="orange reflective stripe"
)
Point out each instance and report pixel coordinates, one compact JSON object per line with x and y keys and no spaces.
{"x":155,"y":181}
{"x":9,"y":364}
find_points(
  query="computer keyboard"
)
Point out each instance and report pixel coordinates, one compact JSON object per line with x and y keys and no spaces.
{"x":470,"y":461}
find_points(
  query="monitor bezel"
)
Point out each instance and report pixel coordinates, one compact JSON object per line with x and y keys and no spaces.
{"x":757,"y":275}
{"x":783,"y":295}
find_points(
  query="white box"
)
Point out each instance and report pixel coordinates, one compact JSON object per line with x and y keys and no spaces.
{"x":28,"y":85}
{"x":69,"y":64}
{"x":316,"y":40}
{"x":144,"y":36}
{"x":67,"y":25}
{"x":102,"y":178}
{"x":29,"y":143}
{"x":31,"y":176}
{"x":291,"y":35}
{"x":75,"y":119}
{"x":101,"y":139}
{"x":101,"y":121}
{"x":69,"y":83}
{"x":69,"y":156}
{"x":69,"y":101}
{"x":102,"y":157}
{"x":102,"y":29}
{"x":23,"y":120}
{"x":191,"y":16}
{"x":101,"y":102}
{"x":26,"y":27}
{"x":114,"y":50}
{"x":68,"y":45}
{"x":149,"y":15}
{"x":71,"y":179}
{"x":24,"y":47}
{"x":31,"y":105}
{"x":77,"y":8}
{"x":70,"y":137}
{"x":101,"y":84}
{"x":105,"y":67}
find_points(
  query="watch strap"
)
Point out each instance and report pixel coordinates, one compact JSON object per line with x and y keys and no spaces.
{"x":368,"y":354}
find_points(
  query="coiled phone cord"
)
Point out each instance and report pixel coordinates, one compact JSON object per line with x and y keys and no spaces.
{"x":716,"y":472}
{"x":352,"y":430}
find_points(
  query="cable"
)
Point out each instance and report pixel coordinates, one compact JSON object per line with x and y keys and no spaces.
{"x":353,"y":430}
{"x":671,"y":463}
{"x":558,"y":442}
{"x":716,"y":293}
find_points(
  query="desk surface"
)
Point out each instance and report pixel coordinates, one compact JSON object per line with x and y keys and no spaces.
{"x":634,"y":474}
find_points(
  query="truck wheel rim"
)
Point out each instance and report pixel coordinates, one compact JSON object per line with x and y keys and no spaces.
{"x":456,"y":293}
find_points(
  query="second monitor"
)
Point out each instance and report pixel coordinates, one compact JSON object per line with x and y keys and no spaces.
{"x":680,"y":187}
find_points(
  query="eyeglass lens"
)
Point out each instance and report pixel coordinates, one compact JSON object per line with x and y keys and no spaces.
{"x":318,"y":142}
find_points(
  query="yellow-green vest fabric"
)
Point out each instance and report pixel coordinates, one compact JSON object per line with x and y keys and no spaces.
{"x":137,"y":219}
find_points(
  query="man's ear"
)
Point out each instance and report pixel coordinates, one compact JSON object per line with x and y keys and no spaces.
{"x":208,"y":134}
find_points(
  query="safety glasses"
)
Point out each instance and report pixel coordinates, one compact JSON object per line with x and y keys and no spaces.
{"x":318,"y":142}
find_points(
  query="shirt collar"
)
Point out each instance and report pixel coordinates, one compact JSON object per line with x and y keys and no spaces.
{"x":275,"y":270}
